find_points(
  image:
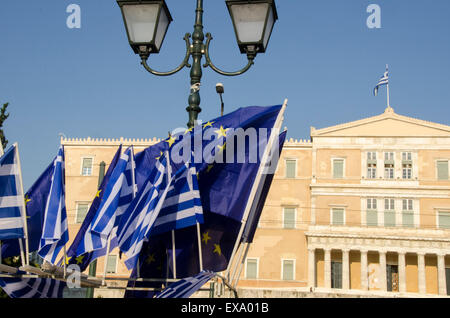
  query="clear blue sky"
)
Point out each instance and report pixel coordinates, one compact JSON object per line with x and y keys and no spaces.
{"x":322,"y":57}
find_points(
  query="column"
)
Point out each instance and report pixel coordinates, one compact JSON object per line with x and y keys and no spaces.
{"x":311,"y":267}
{"x":364,"y":278}
{"x":327,"y":271}
{"x":422,"y":280}
{"x":402,"y":272}
{"x":345,"y":269}
{"x":383,"y":281}
{"x":441,"y":275}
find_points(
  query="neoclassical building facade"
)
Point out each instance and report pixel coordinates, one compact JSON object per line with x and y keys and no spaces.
{"x":360,"y":208}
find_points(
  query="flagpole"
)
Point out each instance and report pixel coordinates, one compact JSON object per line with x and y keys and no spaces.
{"x":252,"y":196}
{"x":24,"y":214}
{"x":174,"y":257}
{"x":241,"y":265}
{"x":199,"y":241}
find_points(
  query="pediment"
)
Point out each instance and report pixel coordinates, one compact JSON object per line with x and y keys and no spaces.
{"x":388,"y":124}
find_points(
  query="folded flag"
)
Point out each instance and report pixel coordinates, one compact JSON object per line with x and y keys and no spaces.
{"x":32,"y":287}
{"x":118,"y":194}
{"x":187,"y":286}
{"x":35,"y":201}
{"x":12,"y":206}
{"x":55,"y":232}
{"x":84,"y":259}
{"x":164,"y":203}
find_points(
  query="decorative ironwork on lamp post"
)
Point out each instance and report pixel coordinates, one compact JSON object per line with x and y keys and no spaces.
{"x":147,"y":22}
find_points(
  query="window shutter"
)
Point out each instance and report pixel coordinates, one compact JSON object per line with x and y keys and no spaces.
{"x":372,"y":218}
{"x":289,"y":218}
{"x":291,"y":169}
{"x":111,"y":264}
{"x":338,"y":168}
{"x":252,"y":269}
{"x":338,"y":216}
{"x":442,"y":170}
{"x":444,"y":220}
{"x":82,"y":210}
{"x":288,"y":270}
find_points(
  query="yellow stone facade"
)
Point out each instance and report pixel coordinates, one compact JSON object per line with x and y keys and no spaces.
{"x":340,"y":242}
{"x":318,"y":231}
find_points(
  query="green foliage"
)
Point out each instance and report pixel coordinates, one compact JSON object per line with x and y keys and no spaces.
{"x":3,"y":117}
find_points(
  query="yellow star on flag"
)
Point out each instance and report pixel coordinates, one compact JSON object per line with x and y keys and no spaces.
{"x":188,"y":130}
{"x":160,"y":155}
{"x":98,"y":194}
{"x":209,"y":168}
{"x":206,"y":238}
{"x":171,"y":141}
{"x":221,"y":132}
{"x":79,"y":259}
{"x":27,"y":199}
{"x":217,"y":249}
{"x":150,"y":259}
{"x":67,"y":259}
{"x":208,"y":124}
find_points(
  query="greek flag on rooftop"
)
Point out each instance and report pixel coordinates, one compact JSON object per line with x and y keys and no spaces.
{"x":383,"y":81}
{"x":55,"y":233}
{"x":11,"y":196}
{"x":164,"y":203}
{"x":118,"y":195}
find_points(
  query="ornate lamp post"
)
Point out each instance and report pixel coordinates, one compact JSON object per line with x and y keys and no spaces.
{"x":147,"y":21}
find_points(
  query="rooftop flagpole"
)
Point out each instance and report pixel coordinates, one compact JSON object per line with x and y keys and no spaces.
{"x":387,"y":86}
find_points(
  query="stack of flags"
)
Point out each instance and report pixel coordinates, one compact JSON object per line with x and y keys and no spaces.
{"x":168,"y":219}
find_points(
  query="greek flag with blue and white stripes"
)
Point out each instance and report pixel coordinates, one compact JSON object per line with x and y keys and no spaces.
{"x":164,"y":203}
{"x":187,"y":286}
{"x":55,"y":233}
{"x":119,"y":193}
{"x":32,"y":287}
{"x":12,"y":206}
{"x":383,"y":81}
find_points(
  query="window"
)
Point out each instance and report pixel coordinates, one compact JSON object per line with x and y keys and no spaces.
{"x":388,"y":157}
{"x":371,"y":156}
{"x":371,"y":165}
{"x":111,"y":264}
{"x":337,"y":216}
{"x":444,"y":220}
{"x":336,"y":275}
{"x":372,"y":215}
{"x":86,"y":169}
{"x":288,"y":269}
{"x":289,"y":218}
{"x":338,"y":168}
{"x":82,"y":210}
{"x":408,"y":213}
{"x":442,"y":169}
{"x":389,"y":165}
{"x":251,"y":268}
{"x":389,"y":213}
{"x":291,"y":167}
{"x":406,"y":165}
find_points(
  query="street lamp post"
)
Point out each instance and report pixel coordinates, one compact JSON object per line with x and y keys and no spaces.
{"x":147,"y":21}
